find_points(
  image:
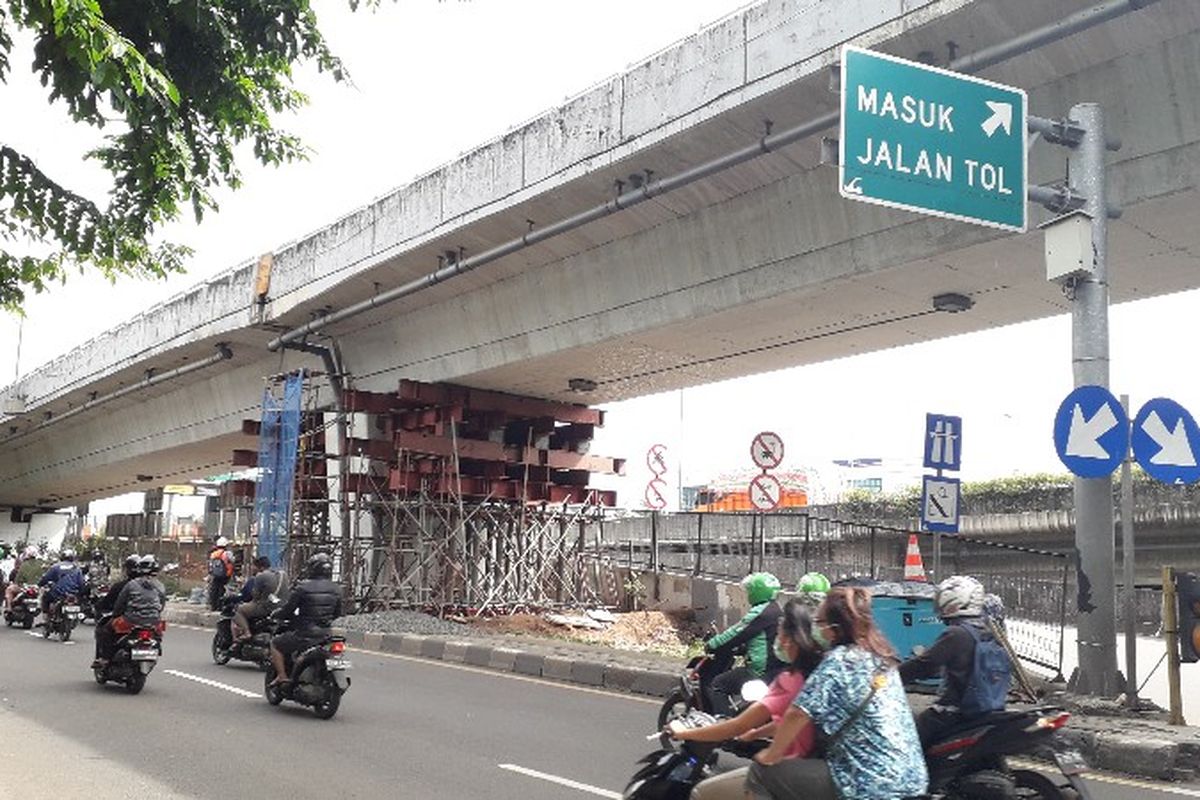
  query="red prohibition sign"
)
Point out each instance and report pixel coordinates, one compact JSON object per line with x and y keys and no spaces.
{"x":767,"y":450}
{"x":656,"y":459}
{"x":765,"y":492}
{"x":654,"y":496}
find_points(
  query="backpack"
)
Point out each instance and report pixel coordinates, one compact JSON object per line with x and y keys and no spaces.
{"x":219,"y":566}
{"x":991,"y":675}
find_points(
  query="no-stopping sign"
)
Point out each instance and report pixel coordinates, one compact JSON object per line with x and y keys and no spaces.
{"x":767,"y":450}
{"x":765,"y":492}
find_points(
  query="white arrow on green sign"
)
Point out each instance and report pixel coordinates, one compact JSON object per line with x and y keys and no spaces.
{"x":925,"y":139}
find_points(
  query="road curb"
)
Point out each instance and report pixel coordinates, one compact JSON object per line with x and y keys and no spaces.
{"x":556,"y":667}
{"x":1148,"y":753}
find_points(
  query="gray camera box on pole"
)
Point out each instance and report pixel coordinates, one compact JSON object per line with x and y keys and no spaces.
{"x":1068,"y":242}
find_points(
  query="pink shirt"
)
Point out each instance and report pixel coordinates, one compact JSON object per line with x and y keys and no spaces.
{"x":782,"y":692}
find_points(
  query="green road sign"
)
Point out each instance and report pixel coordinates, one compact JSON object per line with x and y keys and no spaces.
{"x":924,"y":139}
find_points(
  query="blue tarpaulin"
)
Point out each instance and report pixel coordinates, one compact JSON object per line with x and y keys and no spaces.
{"x":277,"y":443}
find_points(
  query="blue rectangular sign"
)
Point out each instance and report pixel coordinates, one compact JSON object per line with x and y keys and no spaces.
{"x":943,"y":442}
{"x":939,"y":504}
{"x":925,"y":139}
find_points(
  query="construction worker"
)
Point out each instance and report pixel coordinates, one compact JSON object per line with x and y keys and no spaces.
{"x":220,"y":570}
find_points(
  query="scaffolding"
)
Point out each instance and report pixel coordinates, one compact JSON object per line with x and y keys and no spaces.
{"x":450,"y":499}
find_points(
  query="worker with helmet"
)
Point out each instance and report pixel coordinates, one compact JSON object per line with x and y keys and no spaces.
{"x":310,"y":610}
{"x":220,"y":570}
{"x":754,"y":633}
{"x":974,"y":667}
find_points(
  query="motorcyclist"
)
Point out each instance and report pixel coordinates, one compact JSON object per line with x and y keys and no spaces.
{"x":96,"y":569}
{"x":965,"y":684}
{"x":794,"y":645}
{"x":262,"y":585}
{"x":63,"y":579}
{"x":142,"y":598}
{"x":812,"y":588}
{"x":755,"y":632}
{"x":104,"y":608}
{"x":314,"y":603}
{"x":14,"y":586}
{"x":855,"y":697}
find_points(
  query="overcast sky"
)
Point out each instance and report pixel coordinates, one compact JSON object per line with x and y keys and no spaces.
{"x":435,"y":79}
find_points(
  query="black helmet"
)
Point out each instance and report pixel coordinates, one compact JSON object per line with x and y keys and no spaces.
{"x":147,"y":565}
{"x":67,"y":554}
{"x":319,"y":565}
{"x":131,"y":564}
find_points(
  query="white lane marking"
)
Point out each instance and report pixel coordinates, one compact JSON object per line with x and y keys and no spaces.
{"x":583,"y":787}
{"x":482,"y":671}
{"x":214,"y":684}
{"x":1116,"y":780}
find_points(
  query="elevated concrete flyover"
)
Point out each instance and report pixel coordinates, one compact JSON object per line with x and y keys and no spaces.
{"x":755,"y":267}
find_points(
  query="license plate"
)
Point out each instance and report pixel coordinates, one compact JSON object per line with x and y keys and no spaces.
{"x":337,"y":663}
{"x":71,"y":609}
{"x":144,"y":654}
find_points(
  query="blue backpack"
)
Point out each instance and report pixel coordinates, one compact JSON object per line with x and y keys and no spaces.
{"x":991,"y":675}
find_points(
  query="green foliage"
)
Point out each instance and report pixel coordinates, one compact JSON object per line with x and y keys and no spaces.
{"x":187,"y":82}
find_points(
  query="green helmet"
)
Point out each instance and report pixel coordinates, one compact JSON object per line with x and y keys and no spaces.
{"x":760,"y":587}
{"x":813,"y":583}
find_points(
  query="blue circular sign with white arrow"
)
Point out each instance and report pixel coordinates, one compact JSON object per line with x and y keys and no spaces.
{"x":1091,"y":432}
{"x":1165,"y":442}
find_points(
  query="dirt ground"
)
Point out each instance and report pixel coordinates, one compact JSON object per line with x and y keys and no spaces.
{"x":669,"y":634}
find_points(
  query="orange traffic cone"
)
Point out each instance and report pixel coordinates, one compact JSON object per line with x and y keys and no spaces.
{"x":914,"y":567}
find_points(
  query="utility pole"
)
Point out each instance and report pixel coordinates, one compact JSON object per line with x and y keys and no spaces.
{"x":1094,"y":521}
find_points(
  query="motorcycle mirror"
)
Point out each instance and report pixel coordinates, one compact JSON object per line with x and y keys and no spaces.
{"x":753,"y":691}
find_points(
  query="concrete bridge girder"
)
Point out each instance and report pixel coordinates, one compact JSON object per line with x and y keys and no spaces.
{"x":663,"y":295}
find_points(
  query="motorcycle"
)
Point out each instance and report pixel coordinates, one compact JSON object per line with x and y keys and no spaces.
{"x":25,"y":608}
{"x":687,"y":695}
{"x":256,"y":649}
{"x":677,"y":766}
{"x":62,"y":617}
{"x":969,"y":762}
{"x":317,"y":677}
{"x":134,"y":654}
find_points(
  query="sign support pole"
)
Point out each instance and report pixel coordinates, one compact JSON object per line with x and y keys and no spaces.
{"x":1129,"y":566}
{"x":937,"y":551}
{"x":1094,"y":544}
{"x":1171,"y":633}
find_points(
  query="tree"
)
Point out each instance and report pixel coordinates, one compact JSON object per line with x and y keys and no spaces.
{"x":183,"y":83}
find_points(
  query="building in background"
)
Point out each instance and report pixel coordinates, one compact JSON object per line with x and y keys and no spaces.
{"x":875,"y":475}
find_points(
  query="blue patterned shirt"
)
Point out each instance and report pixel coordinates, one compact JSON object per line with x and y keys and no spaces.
{"x":879,"y":756}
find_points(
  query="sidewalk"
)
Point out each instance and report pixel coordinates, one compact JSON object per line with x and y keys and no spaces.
{"x":1146,"y":748}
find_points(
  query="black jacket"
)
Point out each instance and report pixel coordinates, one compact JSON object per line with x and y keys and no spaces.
{"x":109,"y":601}
{"x":952,"y":657}
{"x":319,"y":602}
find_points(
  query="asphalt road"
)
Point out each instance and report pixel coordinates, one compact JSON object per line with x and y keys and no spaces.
{"x":407,"y":727}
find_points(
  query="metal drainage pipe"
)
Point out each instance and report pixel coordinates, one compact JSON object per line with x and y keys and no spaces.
{"x":989,"y":56}
{"x":223,"y":354}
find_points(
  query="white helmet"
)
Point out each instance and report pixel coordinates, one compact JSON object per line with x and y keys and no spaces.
{"x":959,"y":596}
{"x":222,"y":541}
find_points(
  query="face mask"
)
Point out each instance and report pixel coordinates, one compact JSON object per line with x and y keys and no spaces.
{"x":820,"y":638}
